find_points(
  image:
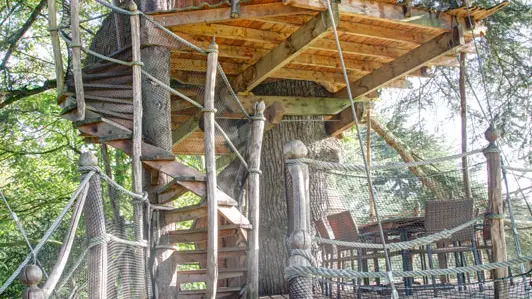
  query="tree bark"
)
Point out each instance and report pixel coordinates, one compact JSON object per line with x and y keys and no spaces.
{"x":273,"y":207}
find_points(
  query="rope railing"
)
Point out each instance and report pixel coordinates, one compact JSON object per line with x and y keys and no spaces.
{"x":444,"y":234}
{"x":324,"y":165}
{"x":309,"y":271}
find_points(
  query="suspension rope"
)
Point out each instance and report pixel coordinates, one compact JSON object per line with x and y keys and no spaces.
{"x":372,"y":192}
{"x":96,"y":169}
{"x":82,"y":189}
{"x":231,"y":145}
{"x":231,"y":91}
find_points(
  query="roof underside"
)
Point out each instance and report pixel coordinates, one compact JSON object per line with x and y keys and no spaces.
{"x":372,"y":34}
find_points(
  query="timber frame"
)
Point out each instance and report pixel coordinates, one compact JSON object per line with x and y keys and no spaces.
{"x":263,"y":40}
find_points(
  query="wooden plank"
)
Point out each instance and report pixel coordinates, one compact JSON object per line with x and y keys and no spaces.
{"x":377,"y":32}
{"x":316,"y":76}
{"x":210,"y":168}
{"x":232,"y":32}
{"x":200,"y":275}
{"x":185,"y":129}
{"x":298,"y":105}
{"x":273,"y":114}
{"x":228,"y":51}
{"x":282,"y":54}
{"x":224,"y":14}
{"x":333,"y":62}
{"x":194,"y":65}
{"x":359,"y":48}
{"x":308,"y":4}
{"x":398,"y":68}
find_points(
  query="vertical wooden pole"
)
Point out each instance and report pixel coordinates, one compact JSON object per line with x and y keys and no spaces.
{"x":30,"y":276}
{"x":119,"y":27}
{"x":298,"y":203}
{"x":255,"y":147}
{"x":95,"y":228}
{"x":56,"y":46}
{"x":76,"y":59}
{"x":140,"y":286}
{"x":210,"y":165}
{"x":463,"y":116}
{"x":368,"y":158}
{"x":496,"y":221}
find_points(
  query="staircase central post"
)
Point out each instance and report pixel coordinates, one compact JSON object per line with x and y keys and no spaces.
{"x":210,"y":165}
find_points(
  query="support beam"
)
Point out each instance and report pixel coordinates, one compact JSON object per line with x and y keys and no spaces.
{"x":400,"y":67}
{"x":224,"y":14}
{"x":232,"y":32}
{"x":282,"y":54}
{"x":297,"y":105}
{"x":185,"y":129}
{"x":371,"y":31}
{"x":359,"y":49}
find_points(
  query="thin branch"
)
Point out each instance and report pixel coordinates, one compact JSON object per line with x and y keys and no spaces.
{"x":15,"y":38}
{"x":11,"y":96}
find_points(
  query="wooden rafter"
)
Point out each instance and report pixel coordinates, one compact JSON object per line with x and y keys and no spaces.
{"x":398,"y":68}
{"x":282,"y":54}
{"x":224,"y":14}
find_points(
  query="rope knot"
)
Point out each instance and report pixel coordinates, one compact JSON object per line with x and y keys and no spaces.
{"x":255,"y":170}
{"x":205,"y":109}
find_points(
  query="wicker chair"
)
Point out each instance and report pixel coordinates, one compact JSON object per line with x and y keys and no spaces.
{"x":440,"y":215}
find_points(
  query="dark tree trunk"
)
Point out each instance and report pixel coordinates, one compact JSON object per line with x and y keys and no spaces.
{"x":273,"y":209}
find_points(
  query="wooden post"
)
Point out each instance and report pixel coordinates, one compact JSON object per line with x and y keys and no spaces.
{"x":463,"y":116}
{"x":95,"y":228}
{"x":56,"y":46}
{"x":210,"y":167}
{"x":136,"y":165}
{"x":76,"y":59}
{"x":496,"y":221}
{"x":30,"y":276}
{"x":298,"y":203}
{"x":255,"y":147}
{"x":368,"y":158}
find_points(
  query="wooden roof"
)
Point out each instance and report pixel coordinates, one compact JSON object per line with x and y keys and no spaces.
{"x":382,"y":44}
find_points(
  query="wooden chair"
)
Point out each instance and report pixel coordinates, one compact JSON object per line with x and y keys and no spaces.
{"x":441,"y":215}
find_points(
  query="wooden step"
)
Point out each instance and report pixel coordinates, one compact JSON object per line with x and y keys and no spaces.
{"x":200,"y":234}
{"x":109,"y":113}
{"x":109,"y":93}
{"x":200,"y":255}
{"x":91,"y":99}
{"x":101,"y":127}
{"x":192,"y":212}
{"x":87,"y":86}
{"x":220,"y":292}
{"x":201,"y":274}
{"x":104,"y":65}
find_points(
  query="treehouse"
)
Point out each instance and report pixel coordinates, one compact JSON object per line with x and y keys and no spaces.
{"x":194,"y":78}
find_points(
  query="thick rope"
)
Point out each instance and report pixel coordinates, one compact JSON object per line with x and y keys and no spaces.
{"x":309,"y":271}
{"x":305,"y":254}
{"x":171,"y":90}
{"x":519,"y":169}
{"x":360,"y":168}
{"x":83,"y":188}
{"x":96,"y":169}
{"x":444,"y":234}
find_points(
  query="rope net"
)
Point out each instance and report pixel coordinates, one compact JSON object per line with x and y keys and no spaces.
{"x":436,"y":230}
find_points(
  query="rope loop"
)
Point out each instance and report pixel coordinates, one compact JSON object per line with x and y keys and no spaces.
{"x":494,"y":216}
{"x":305,"y":254}
{"x":205,"y":109}
{"x":255,"y":170}
{"x":257,"y":117}
{"x":134,"y":62}
{"x":51,"y":29}
{"x":75,"y":45}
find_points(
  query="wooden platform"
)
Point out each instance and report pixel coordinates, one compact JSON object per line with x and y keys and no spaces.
{"x":383,"y":43}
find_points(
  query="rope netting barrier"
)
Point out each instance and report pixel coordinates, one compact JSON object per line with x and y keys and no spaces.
{"x":90,"y":247}
{"x":436,"y":230}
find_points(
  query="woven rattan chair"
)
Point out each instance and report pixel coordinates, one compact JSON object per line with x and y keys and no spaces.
{"x":441,"y":215}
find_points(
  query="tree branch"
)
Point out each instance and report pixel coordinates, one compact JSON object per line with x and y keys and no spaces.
{"x":15,"y":38}
{"x":10,"y":96}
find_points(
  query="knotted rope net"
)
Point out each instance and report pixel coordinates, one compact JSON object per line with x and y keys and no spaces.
{"x":436,"y":229}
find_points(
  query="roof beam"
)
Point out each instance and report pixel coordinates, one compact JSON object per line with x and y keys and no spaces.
{"x":359,"y":49}
{"x":224,"y":14}
{"x":231,"y":32}
{"x":283,"y":53}
{"x":398,"y":68}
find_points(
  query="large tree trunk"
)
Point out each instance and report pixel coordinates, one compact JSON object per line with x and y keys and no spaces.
{"x":273,"y":209}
